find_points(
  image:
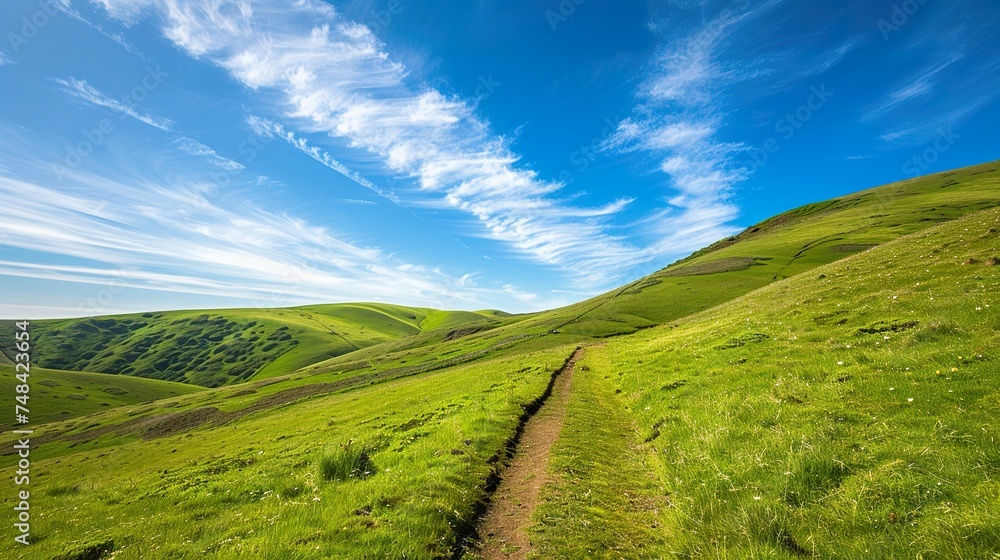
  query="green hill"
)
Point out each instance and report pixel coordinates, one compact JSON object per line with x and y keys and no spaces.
{"x":790,"y":243}
{"x":62,"y":395}
{"x":850,"y":412}
{"x":213,"y":348}
{"x":751,"y":401}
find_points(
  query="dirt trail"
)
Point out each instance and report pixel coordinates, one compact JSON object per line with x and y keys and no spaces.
{"x":504,"y":527}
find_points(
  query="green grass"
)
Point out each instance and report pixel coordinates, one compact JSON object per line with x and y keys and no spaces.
{"x":617,"y":513}
{"x":346,"y":461}
{"x":256,"y":487}
{"x":62,"y":395}
{"x":722,"y":425}
{"x":850,"y":412}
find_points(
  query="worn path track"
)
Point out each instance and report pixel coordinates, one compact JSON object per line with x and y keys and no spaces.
{"x":504,"y":527}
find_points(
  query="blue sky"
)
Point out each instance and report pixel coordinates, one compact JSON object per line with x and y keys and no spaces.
{"x":519,"y":155}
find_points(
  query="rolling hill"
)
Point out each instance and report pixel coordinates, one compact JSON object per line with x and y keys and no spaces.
{"x":790,"y":243}
{"x":820,"y":385}
{"x":213,"y":348}
{"x":69,"y":394}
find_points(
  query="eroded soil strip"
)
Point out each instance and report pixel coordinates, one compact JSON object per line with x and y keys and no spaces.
{"x":504,"y":527}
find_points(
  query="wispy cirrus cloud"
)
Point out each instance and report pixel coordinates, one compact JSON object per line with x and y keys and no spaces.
{"x":65,"y":7}
{"x":355,"y":201}
{"x":677,"y":121}
{"x":87,"y":93}
{"x":172,"y":239}
{"x":271,"y":129}
{"x":333,"y":76}
{"x":920,"y":84}
{"x":916,"y":131}
{"x":196,"y":148}
{"x":943,"y":82}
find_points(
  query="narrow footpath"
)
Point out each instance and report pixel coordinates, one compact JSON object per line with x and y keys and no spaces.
{"x":504,"y":527}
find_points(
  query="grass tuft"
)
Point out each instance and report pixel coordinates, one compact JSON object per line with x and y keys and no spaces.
{"x":89,"y":551}
{"x":347,"y":461}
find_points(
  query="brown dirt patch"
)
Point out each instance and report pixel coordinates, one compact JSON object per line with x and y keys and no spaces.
{"x":177,"y":422}
{"x":852,"y":247}
{"x":729,"y":264}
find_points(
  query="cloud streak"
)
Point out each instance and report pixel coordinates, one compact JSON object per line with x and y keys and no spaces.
{"x":196,"y":148}
{"x":172,"y":239}
{"x":333,"y":76}
{"x":677,"y":121}
{"x":920,"y":85}
{"x":270,"y":129}
{"x":87,"y":93}
{"x":948,"y":81}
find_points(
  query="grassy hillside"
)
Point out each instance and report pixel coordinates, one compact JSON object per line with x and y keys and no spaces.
{"x":61,"y":395}
{"x":850,"y":412}
{"x":780,"y":247}
{"x":270,"y":484}
{"x":213,"y":348}
{"x":790,"y":243}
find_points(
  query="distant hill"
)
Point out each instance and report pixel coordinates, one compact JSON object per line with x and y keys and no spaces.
{"x":62,"y":395}
{"x":213,"y":348}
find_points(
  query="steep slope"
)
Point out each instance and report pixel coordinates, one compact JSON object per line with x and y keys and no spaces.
{"x":783,"y":246}
{"x":213,"y":348}
{"x":850,"y":412}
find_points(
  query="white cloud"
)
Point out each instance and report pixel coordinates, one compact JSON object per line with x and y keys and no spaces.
{"x":5,"y":59}
{"x":917,"y":131}
{"x":195,"y":148}
{"x":948,"y":67}
{"x":334,"y":76}
{"x":833,"y":57}
{"x":678,"y":121}
{"x":920,"y":84}
{"x":64,"y":7}
{"x":355,"y":201}
{"x":264,"y":127}
{"x":173,"y":239}
{"x":80,"y":89}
